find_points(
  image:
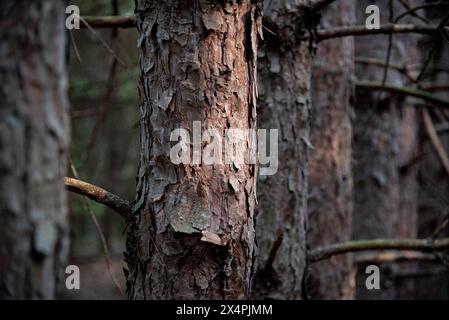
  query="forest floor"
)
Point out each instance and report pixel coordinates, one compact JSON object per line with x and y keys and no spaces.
{"x":95,"y":280}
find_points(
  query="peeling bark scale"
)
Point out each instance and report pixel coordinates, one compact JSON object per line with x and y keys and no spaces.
{"x":34,"y":136}
{"x":193,"y":232}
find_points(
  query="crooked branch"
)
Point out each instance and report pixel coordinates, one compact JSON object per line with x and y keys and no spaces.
{"x":95,"y":193}
{"x":389,"y":28}
{"x":427,"y":96}
{"x":319,"y":4}
{"x":322,"y":34}
{"x":435,"y":140}
{"x":423,"y":245}
{"x":110,"y":21}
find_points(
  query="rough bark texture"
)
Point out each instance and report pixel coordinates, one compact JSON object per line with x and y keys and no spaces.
{"x":384,"y":147}
{"x":433,"y":179}
{"x":33,"y":147}
{"x":197,"y":62}
{"x":330,"y":197}
{"x":284,"y":67}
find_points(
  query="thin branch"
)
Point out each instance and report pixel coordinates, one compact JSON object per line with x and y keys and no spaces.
{"x":109,"y":90}
{"x":389,"y":257}
{"x":424,"y":245}
{"x":75,"y":47}
{"x":320,"y":4}
{"x":410,"y":11}
{"x":345,"y":31}
{"x":110,"y":21}
{"x":434,"y":140}
{"x":424,"y":6}
{"x":405,"y":70}
{"x":380,"y":63}
{"x":405,"y":90}
{"x":108,"y":48}
{"x":437,"y":272}
{"x":95,"y":193}
{"x":274,"y":249}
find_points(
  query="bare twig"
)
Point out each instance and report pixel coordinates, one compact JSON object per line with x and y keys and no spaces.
{"x":108,"y":93}
{"x":410,"y":11}
{"x":389,"y":257}
{"x":320,"y":4}
{"x":434,"y":140}
{"x":436,"y":272}
{"x":404,"y":90}
{"x":97,"y":194}
{"x":110,"y":21}
{"x":361,"y":30}
{"x":420,"y":7}
{"x":108,"y":48}
{"x":423,"y":245}
{"x":274,"y":249}
{"x":323,"y":34}
{"x":75,"y":47}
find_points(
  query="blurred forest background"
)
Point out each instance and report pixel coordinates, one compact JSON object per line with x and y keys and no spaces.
{"x":105,"y":142}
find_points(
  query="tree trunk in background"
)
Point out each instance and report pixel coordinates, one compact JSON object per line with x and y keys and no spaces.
{"x":384,"y":147}
{"x":330,"y":202}
{"x":197,"y":63}
{"x":434,"y":182}
{"x":284,"y":66}
{"x":34,"y":138}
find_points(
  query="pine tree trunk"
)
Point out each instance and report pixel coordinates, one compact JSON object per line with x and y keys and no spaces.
{"x":330,"y":203}
{"x":384,"y":127}
{"x":284,"y":66}
{"x":193,"y":233}
{"x":34,"y":138}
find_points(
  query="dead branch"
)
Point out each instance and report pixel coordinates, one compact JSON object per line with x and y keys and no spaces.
{"x":404,"y":90}
{"x":119,"y":205}
{"x":345,"y":31}
{"x":319,"y":4}
{"x":423,"y":245}
{"x":434,"y":140}
{"x":390,"y":257}
{"x":110,"y":21}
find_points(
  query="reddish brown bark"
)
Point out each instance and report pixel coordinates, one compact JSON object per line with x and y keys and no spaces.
{"x":330,"y":202}
{"x":197,"y":63}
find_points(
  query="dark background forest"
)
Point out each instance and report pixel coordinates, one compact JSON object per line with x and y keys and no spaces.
{"x":363,"y":150}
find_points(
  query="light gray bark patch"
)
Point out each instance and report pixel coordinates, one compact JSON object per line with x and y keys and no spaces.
{"x":213,"y":20}
{"x":190,"y":214}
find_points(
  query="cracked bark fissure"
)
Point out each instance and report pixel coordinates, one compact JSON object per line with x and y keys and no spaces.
{"x":197,"y":63}
{"x":284,"y":74}
{"x":330,"y":197}
{"x":34,"y":137}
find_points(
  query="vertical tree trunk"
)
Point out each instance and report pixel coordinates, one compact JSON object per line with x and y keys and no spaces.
{"x":197,"y":63}
{"x":284,"y":67}
{"x":330,"y":203}
{"x":384,"y":128}
{"x":33,"y":148}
